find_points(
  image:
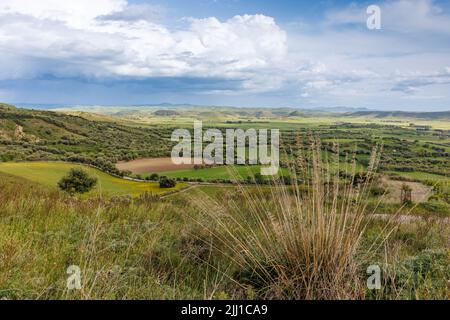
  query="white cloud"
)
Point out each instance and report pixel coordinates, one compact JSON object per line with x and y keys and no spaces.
{"x":412,"y":82}
{"x":78,"y":13}
{"x":332,"y":63}
{"x":107,"y":38}
{"x":405,"y":16}
{"x":375,"y":67}
{"x":415,"y":16}
{"x":134,"y":12}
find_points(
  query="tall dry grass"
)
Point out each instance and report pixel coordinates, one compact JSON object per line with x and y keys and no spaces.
{"x":292,"y":242}
{"x":278,"y":242}
{"x":126,"y":249}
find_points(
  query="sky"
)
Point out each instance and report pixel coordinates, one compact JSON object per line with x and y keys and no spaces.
{"x":247,"y":53}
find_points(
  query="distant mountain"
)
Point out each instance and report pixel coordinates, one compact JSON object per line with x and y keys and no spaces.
{"x":135,"y":112}
{"x":40,"y":106}
{"x":295,"y":113}
{"x":338,"y":109}
{"x":444,"y":115}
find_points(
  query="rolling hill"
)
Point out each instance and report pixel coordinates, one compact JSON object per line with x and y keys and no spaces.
{"x":46,"y":135}
{"x":228,"y":113}
{"x":445,"y":115}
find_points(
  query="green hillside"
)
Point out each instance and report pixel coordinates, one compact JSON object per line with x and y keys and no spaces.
{"x":101,"y":140}
{"x":30,"y":135}
{"x":445,"y":115}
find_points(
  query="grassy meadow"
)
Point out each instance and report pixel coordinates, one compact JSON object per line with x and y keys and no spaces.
{"x":229,"y":173}
{"x":422,"y":176}
{"x":49,"y":173}
{"x":211,"y":243}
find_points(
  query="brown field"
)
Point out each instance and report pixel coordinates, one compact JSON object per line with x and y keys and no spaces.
{"x":420,"y":192}
{"x":151,"y":165}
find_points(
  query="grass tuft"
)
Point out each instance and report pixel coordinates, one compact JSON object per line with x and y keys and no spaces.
{"x":297,"y":242}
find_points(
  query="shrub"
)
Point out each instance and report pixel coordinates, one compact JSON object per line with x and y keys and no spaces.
{"x":77,"y":181}
{"x":259,"y":179}
{"x":165,"y":182}
{"x":286,"y":180}
{"x":423,"y":276}
{"x":377,"y":191}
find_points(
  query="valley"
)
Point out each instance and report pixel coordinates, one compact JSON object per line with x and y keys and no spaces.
{"x":136,"y":239}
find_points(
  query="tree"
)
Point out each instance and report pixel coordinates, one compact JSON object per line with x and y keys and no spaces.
{"x":406,"y":194}
{"x":77,"y":181}
{"x":165,"y":182}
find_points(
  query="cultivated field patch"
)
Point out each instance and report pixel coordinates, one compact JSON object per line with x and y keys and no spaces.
{"x":151,"y":165}
{"x":419,"y":192}
{"x":49,"y":173}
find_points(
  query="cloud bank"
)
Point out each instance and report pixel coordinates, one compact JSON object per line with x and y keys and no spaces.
{"x":332,"y":61}
{"x":109,"y":38}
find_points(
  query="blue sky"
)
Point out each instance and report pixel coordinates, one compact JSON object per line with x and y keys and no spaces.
{"x":226,"y":52}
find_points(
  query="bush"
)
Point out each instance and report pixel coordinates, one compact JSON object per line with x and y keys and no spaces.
{"x":423,"y":276}
{"x":259,"y":179}
{"x":154,"y":177}
{"x":165,"y":182}
{"x":439,"y":208}
{"x":77,"y":181}
{"x":377,"y":191}
{"x":286,"y":180}
{"x":271,"y":240}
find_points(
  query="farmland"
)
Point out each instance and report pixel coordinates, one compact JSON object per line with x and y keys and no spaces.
{"x":410,"y":145}
{"x":216,"y":173}
{"x":133,"y":241}
{"x":153,"y":165}
{"x":124,"y":142}
{"x":49,"y":173}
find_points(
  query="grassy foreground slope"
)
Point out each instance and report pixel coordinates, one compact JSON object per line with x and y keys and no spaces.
{"x":49,"y":173}
{"x":156,"y":249}
{"x":125,"y":250}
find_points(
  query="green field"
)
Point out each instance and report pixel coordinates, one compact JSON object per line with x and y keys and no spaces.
{"x":422,"y":176}
{"x":218,"y":173}
{"x":49,"y":173}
